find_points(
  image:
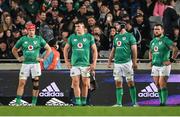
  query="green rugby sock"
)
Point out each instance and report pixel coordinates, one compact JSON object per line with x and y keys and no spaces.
{"x":160,"y":96}
{"x":78,"y":101}
{"x":164,"y":93}
{"x":18,"y":99}
{"x":119,"y":95}
{"x":34,"y":100}
{"x":133,"y":94}
{"x":83,"y":100}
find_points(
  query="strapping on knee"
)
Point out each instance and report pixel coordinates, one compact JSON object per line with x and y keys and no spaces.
{"x":35,"y":84}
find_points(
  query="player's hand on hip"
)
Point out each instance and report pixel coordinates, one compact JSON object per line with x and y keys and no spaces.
{"x":40,"y":59}
{"x":92,"y":67}
{"x":109,"y":65}
{"x":167,"y":63}
{"x":68,"y":65}
{"x":20,"y":59}
{"x":135,"y":66}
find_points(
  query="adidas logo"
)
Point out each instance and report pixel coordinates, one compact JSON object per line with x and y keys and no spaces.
{"x":56,"y":102}
{"x":51,"y":91}
{"x":149,"y":91}
{"x":23,"y":103}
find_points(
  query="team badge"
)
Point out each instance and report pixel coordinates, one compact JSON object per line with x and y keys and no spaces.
{"x":79,"y":45}
{"x":123,"y":38}
{"x":30,"y":47}
{"x":155,"y":48}
{"x":35,"y":42}
{"x":160,"y":42}
{"x":118,"y":43}
{"x":84,"y":39}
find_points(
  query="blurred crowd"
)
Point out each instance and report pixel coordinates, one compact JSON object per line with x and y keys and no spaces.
{"x":55,"y":19}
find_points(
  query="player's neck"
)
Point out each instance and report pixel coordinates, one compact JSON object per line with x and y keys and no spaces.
{"x":123,"y":31}
{"x":31,"y":36}
{"x":81,"y":33}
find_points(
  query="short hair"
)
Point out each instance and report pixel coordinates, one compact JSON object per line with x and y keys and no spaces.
{"x":159,"y":25}
{"x":81,"y":22}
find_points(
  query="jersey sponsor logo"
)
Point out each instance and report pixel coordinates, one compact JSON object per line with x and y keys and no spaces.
{"x":25,"y":42}
{"x":149,"y":91}
{"x":118,"y":43}
{"x":79,"y":45}
{"x":30,"y":47}
{"x":155,"y":48}
{"x":56,"y":102}
{"x":51,"y":91}
{"x":75,"y":39}
{"x":23,"y":103}
{"x":116,"y":39}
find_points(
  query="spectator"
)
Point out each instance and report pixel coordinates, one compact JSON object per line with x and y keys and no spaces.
{"x":91,"y":23}
{"x":142,"y":24}
{"x":150,"y":7}
{"x":176,"y":38}
{"x":43,"y":28}
{"x":31,"y":8}
{"x":52,"y":62}
{"x":136,"y":33}
{"x":83,"y":13}
{"x":116,"y":11}
{"x":159,"y":8}
{"x":15,"y":8}
{"x":7,"y":23}
{"x":112,"y":34}
{"x":108,"y":23}
{"x":170,"y":18}
{"x":4,"y":52}
{"x":103,"y":12}
{"x":101,"y":40}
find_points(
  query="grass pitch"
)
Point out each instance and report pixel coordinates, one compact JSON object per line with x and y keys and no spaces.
{"x":89,"y":111}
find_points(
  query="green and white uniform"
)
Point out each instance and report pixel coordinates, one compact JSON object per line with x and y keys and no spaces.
{"x":160,"y":53}
{"x":31,"y":50}
{"x":122,"y":58}
{"x":80,"y":58}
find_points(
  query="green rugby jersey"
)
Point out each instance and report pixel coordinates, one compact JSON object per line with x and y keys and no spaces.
{"x":31,"y":48}
{"x":81,"y":46}
{"x":122,"y":45}
{"x":160,"y":50}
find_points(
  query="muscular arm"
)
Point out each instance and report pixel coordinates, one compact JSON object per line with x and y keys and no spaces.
{"x":111,"y":57}
{"x":174,"y":51}
{"x":66,"y":50}
{"x":15,"y":52}
{"x":48,"y":51}
{"x":95,"y":54}
{"x":150,"y":55}
{"x":134,"y":53}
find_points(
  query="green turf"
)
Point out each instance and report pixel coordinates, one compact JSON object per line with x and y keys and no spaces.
{"x":89,"y":111}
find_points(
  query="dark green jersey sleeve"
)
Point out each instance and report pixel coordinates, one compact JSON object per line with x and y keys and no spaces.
{"x":92,"y":41}
{"x":19,"y":43}
{"x":132,"y":40}
{"x":43,"y":42}
{"x":168,"y":42}
{"x":69,"y":40}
